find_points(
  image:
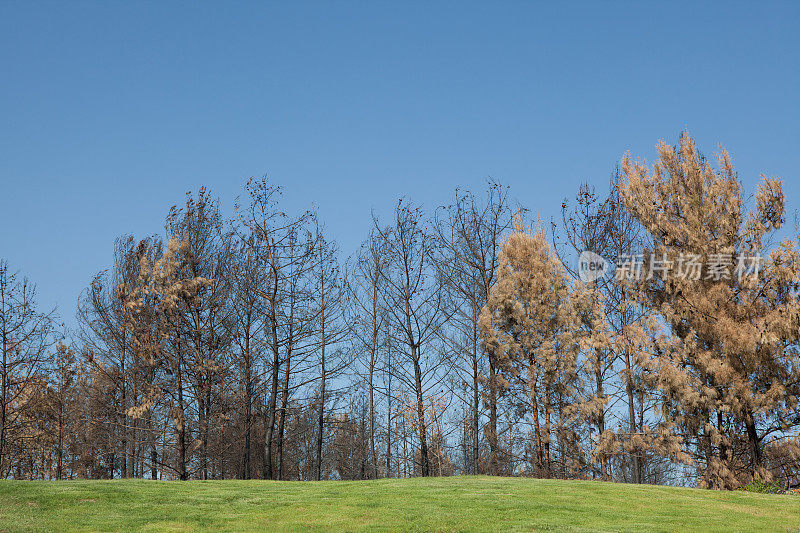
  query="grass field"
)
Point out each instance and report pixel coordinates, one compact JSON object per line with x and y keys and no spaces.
{"x":434,"y":504}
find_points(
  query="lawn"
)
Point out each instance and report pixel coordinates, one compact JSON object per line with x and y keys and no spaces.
{"x":433,"y":504}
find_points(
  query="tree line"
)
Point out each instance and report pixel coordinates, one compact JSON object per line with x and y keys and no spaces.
{"x":459,"y":340}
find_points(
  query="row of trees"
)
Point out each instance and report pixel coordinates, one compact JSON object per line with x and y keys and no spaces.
{"x":459,"y":341}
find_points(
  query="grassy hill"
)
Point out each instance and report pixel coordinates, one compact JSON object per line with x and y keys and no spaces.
{"x":440,"y":504}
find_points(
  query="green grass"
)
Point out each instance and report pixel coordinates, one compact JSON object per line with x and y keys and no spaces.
{"x":434,"y":504}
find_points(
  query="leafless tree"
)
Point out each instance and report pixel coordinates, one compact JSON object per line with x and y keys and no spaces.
{"x":27,"y":335}
{"x":246,"y":332}
{"x":329,"y":305}
{"x":469,"y":232}
{"x":268,"y":232}
{"x":368,"y":323}
{"x":416,"y":304}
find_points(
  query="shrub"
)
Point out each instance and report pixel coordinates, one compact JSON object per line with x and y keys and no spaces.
{"x":762,"y":487}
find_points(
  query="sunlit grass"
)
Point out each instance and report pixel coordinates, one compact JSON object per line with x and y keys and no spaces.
{"x":434,"y":504}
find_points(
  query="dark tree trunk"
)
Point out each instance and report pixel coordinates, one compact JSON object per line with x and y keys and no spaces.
{"x":423,"y":441}
{"x":492,"y":428}
{"x":321,"y":417}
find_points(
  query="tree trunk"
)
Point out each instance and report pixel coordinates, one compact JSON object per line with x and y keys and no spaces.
{"x":373,"y":455}
{"x":273,"y":396}
{"x":492,"y":428}
{"x":536,"y":427}
{"x":153,"y":455}
{"x":635,"y":457}
{"x":183,"y":474}
{"x":475,"y":408}
{"x":124,"y":410}
{"x":321,"y":417}
{"x":754,"y":443}
{"x":601,"y":419}
{"x":60,"y":459}
{"x":3,"y":392}
{"x":547,"y":432}
{"x":423,"y":441}
{"x":248,"y":409}
{"x":389,"y":418}
{"x":284,"y":406}
{"x":269,"y":429}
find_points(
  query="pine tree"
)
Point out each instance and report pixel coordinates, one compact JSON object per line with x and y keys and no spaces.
{"x":529,"y":327}
{"x":728,"y":369}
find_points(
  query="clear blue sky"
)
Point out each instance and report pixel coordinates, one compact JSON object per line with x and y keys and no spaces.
{"x":110,"y":111}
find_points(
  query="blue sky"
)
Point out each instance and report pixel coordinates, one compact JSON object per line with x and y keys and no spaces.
{"x":111,"y":111}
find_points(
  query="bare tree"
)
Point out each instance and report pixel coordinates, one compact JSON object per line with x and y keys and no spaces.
{"x":102,"y":317}
{"x":368,"y":324}
{"x":27,"y":335}
{"x":469,"y":232}
{"x":329,"y":307}
{"x":417,"y":306}
{"x":269,"y":232}
{"x":63,"y":401}
{"x":246,"y":333}
{"x":297,"y":329}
